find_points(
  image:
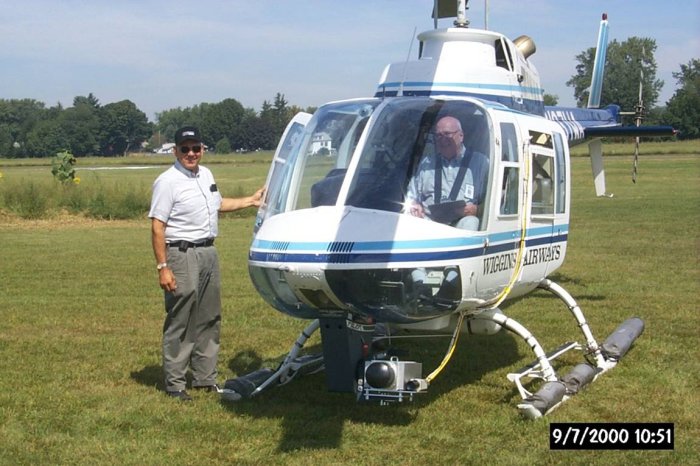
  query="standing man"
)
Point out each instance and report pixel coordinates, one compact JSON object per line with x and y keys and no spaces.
{"x":450,"y":175}
{"x":184,"y":223}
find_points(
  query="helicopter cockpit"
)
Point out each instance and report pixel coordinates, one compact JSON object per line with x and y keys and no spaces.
{"x":378,"y":145}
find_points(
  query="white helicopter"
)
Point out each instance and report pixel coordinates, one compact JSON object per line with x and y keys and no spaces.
{"x":335,"y":241}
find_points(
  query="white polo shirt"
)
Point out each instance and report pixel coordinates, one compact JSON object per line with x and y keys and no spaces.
{"x":188,"y":203}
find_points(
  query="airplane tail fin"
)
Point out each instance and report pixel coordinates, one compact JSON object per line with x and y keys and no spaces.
{"x":599,"y":64}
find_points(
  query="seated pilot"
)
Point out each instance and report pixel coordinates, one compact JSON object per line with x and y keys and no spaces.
{"x":450,"y":185}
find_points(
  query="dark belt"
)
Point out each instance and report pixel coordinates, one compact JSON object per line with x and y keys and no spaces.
{"x":185,"y":245}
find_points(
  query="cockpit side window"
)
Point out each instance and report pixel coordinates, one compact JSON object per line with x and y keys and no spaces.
{"x":543,"y":173}
{"x":542,"y":185}
{"x":510,"y":186}
{"x":283,"y":167}
{"x":503,"y":58}
{"x":560,"y":163}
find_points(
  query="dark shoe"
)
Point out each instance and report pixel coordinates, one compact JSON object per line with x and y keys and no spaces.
{"x":181,"y":395}
{"x":208,"y":388}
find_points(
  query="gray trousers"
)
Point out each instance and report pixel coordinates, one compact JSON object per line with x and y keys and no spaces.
{"x":193,"y":320}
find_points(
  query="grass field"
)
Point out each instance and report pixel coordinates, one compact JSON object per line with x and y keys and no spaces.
{"x":81,"y":324}
{"x":111,"y":188}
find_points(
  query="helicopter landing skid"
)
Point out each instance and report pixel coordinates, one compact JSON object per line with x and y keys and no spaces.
{"x":553,"y":392}
{"x":600,"y":358}
{"x":293,"y":365}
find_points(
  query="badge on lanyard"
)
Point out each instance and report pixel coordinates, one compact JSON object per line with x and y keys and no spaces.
{"x":469,"y":191}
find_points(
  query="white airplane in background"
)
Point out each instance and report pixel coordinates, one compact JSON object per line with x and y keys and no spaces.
{"x":335,"y":243}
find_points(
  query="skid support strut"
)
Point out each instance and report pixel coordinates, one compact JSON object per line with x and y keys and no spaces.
{"x":556,"y":390}
{"x":251,"y":384}
{"x":591,"y":345}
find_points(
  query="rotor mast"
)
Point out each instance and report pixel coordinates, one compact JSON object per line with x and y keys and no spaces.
{"x":461,"y":21}
{"x":450,"y":9}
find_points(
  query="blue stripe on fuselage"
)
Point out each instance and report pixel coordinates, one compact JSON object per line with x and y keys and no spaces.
{"x":530,"y":106}
{"x":415,"y":250}
{"x":437,"y":85}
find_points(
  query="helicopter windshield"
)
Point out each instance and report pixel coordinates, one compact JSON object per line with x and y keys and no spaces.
{"x":427,"y":157}
{"x":313,"y":160}
{"x":409,"y":141}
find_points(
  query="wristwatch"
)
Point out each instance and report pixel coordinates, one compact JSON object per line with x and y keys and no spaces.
{"x":161,"y":266}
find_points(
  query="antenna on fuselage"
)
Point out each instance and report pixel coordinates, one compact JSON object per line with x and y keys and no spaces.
{"x":486,"y":14}
{"x":405,"y":66}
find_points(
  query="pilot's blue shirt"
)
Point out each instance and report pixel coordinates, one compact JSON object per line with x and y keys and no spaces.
{"x":188,"y":203}
{"x":421,"y":189}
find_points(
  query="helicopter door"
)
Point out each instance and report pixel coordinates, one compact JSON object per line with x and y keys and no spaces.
{"x":282,"y":166}
{"x":542,"y":187}
{"x":507,"y":214}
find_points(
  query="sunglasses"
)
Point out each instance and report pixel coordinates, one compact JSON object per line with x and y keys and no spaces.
{"x":445,"y":134}
{"x":187,"y":149}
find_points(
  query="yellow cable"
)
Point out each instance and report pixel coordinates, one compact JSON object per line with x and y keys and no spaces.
{"x":516,"y":271}
{"x":523,"y":236}
{"x":450,"y":351}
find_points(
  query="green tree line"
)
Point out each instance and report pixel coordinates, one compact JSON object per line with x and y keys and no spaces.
{"x":227,"y":126}
{"x":30,"y":129}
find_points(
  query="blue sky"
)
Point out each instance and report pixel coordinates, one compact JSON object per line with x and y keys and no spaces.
{"x":163,"y":54}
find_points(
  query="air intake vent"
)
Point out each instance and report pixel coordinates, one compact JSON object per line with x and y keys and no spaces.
{"x":280,"y":245}
{"x":341,"y":246}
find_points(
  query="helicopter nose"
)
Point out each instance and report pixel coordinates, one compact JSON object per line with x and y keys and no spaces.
{"x":375,"y":264}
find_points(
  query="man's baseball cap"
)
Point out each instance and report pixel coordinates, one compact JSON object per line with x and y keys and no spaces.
{"x":187,"y":133}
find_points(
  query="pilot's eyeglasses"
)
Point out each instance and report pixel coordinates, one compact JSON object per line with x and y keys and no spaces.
{"x":187,"y":149}
{"x":445,"y":134}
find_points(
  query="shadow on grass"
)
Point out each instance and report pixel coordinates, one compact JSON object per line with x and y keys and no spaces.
{"x":313,"y":418}
{"x":565,"y":280}
{"x":150,"y":376}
